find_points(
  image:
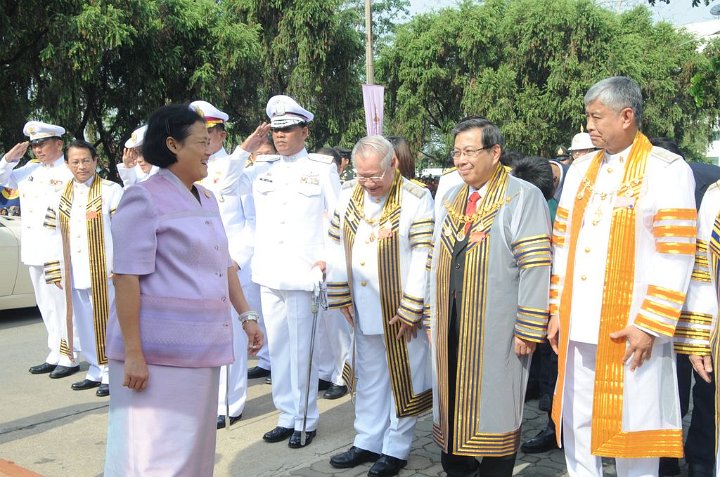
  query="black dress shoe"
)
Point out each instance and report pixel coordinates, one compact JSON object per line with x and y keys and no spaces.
{"x":335,"y":392}
{"x":233,"y":420}
{"x":43,"y":368}
{"x":700,"y":470}
{"x":258,"y":372}
{"x":669,"y":466}
{"x":64,"y":371}
{"x":295,"y":442}
{"x":542,"y":442}
{"x":278,"y":434}
{"x":103,"y":390}
{"x":386,"y":466}
{"x":85,"y":384}
{"x":352,"y":458}
{"x":324,"y":385}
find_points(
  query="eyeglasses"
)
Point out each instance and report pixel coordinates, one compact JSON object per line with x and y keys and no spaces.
{"x":468,"y":152}
{"x":374,"y":179}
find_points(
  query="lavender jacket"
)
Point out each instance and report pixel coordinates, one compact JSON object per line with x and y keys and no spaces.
{"x":179,"y":249}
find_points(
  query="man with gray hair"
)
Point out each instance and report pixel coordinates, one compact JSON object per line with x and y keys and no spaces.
{"x":382,"y":232}
{"x":623,"y":248}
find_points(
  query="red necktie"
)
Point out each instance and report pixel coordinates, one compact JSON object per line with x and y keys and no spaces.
{"x":470,"y":209}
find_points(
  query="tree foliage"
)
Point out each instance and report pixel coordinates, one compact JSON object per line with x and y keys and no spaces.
{"x":526,"y":64}
{"x":100,"y":67}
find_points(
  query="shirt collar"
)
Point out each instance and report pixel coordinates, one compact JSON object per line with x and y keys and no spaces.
{"x":56,"y":163}
{"x":296,"y":156}
{"x":620,"y":156}
{"x":87,"y":183}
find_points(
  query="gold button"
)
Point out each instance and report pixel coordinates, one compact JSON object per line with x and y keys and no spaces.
{"x":609,"y":169}
{"x":362,"y":264}
{"x":587,"y":249}
{"x":363,"y":283}
{"x":583,"y":277}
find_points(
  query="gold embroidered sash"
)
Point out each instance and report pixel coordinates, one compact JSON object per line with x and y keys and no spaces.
{"x":98,"y":267}
{"x":407,"y":403}
{"x":607,"y":437}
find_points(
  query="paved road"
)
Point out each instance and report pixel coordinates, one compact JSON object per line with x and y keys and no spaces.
{"x":54,"y":431}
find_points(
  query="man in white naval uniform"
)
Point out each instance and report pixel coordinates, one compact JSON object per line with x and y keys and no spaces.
{"x":80,"y":261}
{"x":292,"y":192}
{"x":40,"y":184}
{"x":382,"y":234}
{"x":133,"y":168}
{"x":237,"y":213}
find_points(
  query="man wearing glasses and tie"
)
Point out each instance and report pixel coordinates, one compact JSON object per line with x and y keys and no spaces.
{"x":488,"y":301}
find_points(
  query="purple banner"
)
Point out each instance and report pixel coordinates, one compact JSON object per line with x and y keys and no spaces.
{"x":373,"y":101}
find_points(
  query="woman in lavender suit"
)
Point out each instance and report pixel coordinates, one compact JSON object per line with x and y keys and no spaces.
{"x":171,"y":329}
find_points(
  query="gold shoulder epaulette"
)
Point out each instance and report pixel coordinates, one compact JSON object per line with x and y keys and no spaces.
{"x":418,"y":183}
{"x":267,"y":158}
{"x":665,"y":155}
{"x":349,"y":184}
{"x":713,"y":186}
{"x":320,"y":158}
{"x":414,"y":189}
{"x":448,"y":171}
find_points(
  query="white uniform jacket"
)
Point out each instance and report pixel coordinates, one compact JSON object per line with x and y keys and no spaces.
{"x":40,"y":186}
{"x":236,"y":210}
{"x":291,"y":194}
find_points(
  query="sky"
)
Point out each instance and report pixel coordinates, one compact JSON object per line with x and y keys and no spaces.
{"x":678,"y":12}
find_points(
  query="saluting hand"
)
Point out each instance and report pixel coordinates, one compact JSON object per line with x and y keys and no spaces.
{"x":17,"y":152}
{"x":408,"y":332}
{"x":639,"y":345}
{"x":702,"y":365}
{"x":256,"y":139}
{"x":136,"y":372}
{"x":129,"y":157}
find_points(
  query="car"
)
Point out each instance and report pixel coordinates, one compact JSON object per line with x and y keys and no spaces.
{"x":16,"y":289}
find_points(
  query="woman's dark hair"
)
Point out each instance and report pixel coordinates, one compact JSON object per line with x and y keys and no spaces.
{"x":173,"y":120}
{"x":406,"y":161}
{"x":80,"y":144}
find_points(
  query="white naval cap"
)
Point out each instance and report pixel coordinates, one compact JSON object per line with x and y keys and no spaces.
{"x":581,"y":141}
{"x":284,"y":111}
{"x":39,"y":130}
{"x":213,"y":116}
{"x":136,"y":138}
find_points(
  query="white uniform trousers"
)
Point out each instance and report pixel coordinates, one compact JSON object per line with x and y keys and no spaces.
{"x":289,"y":326}
{"x":333,"y":345}
{"x":376,"y":423}
{"x":577,"y":420}
{"x":84,"y":323}
{"x":51,"y":302}
{"x":237,"y":371}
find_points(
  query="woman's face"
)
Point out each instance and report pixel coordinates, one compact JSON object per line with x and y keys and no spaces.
{"x":144,"y":166}
{"x":192,"y":154}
